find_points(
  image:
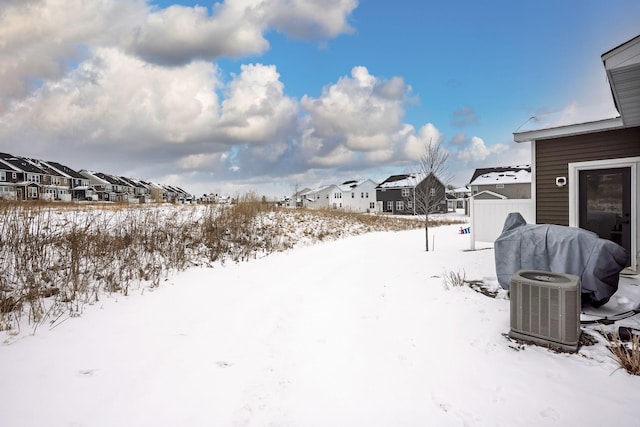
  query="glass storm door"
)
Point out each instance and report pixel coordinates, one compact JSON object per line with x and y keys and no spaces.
{"x":605,"y":204}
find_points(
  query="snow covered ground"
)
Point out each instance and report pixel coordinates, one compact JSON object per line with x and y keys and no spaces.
{"x":355,"y":332}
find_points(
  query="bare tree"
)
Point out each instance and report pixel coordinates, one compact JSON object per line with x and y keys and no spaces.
{"x":431,"y":178}
{"x":296,"y":191}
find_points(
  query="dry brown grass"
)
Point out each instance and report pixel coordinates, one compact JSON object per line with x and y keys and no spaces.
{"x":56,"y":258}
{"x":627,"y":354}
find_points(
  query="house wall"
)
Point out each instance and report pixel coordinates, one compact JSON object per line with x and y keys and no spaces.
{"x":552,"y":157}
{"x":391,"y":195}
{"x":395,"y":195}
{"x":321,"y":200}
{"x":439,"y":197}
{"x":363,"y":195}
{"x":511,"y":191}
{"x":336,"y":198}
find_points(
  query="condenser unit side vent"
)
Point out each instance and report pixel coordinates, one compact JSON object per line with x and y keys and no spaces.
{"x":545,"y":308}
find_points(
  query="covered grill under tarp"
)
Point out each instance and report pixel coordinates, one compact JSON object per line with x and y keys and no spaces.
{"x":560,"y":249}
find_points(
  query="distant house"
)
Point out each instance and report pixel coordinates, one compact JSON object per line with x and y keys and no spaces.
{"x":398,"y":194}
{"x":156,"y":191}
{"x":174,"y":194}
{"x":457,"y":198}
{"x":122,"y":189}
{"x":359,"y":196}
{"x":104,"y":188}
{"x":8,"y":177}
{"x":318,"y":198}
{"x":141,"y":192}
{"x":219,"y":199}
{"x":295,"y":201}
{"x":587,"y":175}
{"x":54,"y":185}
{"x":28,"y":179}
{"x":79,"y":185}
{"x":512,"y":182}
{"x":23,"y":178}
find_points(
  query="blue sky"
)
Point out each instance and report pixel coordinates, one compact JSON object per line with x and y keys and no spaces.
{"x":265,"y":95}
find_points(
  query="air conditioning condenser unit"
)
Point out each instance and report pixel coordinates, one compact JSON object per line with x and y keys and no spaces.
{"x":545,"y":308}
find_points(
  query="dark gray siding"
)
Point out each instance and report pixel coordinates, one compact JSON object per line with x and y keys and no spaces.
{"x":391,"y":195}
{"x":554,"y":155}
{"x":511,"y":191}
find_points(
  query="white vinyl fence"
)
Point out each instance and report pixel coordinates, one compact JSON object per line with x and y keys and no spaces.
{"x":488,"y":216}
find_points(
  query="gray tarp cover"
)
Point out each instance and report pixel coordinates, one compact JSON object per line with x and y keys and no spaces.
{"x":560,"y":249}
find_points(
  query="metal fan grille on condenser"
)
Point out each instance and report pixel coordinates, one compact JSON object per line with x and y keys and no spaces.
{"x":545,"y":308}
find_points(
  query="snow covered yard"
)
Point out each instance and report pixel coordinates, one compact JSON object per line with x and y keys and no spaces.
{"x":354,"y":332}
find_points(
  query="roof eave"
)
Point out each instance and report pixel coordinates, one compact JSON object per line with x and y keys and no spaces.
{"x":569,"y":130}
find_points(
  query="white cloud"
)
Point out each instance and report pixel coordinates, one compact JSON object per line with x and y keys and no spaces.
{"x":40,"y":39}
{"x":120,"y":99}
{"x":414,"y":146}
{"x":235,"y":28}
{"x":311,"y":19}
{"x":477,"y":150}
{"x":255,"y":108}
{"x":360,"y":112}
{"x":337,"y":156}
{"x":180,"y":34}
{"x":211,"y":162}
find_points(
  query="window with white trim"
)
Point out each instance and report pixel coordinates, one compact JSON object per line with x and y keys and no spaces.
{"x":372,"y":205}
{"x":405,"y":192}
{"x":33,"y":192}
{"x":399,"y":205}
{"x":390,"y":206}
{"x":3,"y":176}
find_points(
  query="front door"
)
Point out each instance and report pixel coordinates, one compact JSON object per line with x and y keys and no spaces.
{"x":605,"y":204}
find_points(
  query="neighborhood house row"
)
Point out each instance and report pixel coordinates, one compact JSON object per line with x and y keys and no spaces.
{"x":23,"y":178}
{"x":397,"y":193}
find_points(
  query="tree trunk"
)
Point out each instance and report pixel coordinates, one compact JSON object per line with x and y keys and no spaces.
{"x":426,"y":232}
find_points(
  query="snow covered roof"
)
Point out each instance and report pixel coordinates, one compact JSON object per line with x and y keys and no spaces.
{"x":349,"y":185}
{"x":406,"y":180}
{"x":514,"y":176}
{"x":317,"y":190}
{"x":460,"y":190}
